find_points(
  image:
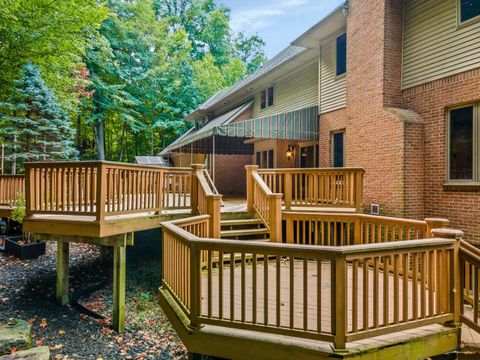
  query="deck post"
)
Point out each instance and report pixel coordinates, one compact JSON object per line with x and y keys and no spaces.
{"x":359,"y":190}
{"x":357,"y":231}
{"x":194,"y":187}
{"x":101,"y":191}
{"x":275,"y":217}
{"x":28,"y":196}
{"x":119,"y":256}
{"x":435,"y":223}
{"x":214,"y":203}
{"x":250,"y":169}
{"x":455,"y":295}
{"x":288,"y":190}
{"x":62,"y":272}
{"x":339,"y":302}
{"x":195,"y":287}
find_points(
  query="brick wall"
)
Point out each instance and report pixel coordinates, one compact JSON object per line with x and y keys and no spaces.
{"x":330,"y":122}
{"x":431,"y":101}
{"x":230,"y":176}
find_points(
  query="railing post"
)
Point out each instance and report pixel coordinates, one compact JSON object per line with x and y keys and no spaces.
{"x":250,"y":169}
{"x":455,"y":295}
{"x":435,"y":223}
{"x":339,"y":302}
{"x":214,"y":203}
{"x":357,"y":230}
{"x":101,"y":191}
{"x":194,"y":187}
{"x":359,"y":189}
{"x":288,"y":190}
{"x":275,"y":217}
{"x":28,"y":182}
{"x":195,"y":286}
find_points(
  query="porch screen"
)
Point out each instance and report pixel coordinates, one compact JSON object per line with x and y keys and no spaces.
{"x":294,"y":125}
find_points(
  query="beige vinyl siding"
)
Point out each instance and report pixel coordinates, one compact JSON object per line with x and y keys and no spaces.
{"x":292,"y":92}
{"x":434,"y":46}
{"x":333,"y":89}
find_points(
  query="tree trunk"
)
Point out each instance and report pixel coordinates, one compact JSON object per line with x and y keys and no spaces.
{"x":122,"y":139}
{"x":100,"y":140}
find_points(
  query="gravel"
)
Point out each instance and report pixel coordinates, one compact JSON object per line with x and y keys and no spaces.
{"x":27,"y":291}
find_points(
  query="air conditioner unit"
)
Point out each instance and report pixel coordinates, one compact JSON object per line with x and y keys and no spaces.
{"x":374,"y":209}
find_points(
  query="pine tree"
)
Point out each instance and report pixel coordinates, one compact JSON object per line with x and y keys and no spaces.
{"x":34,"y":123}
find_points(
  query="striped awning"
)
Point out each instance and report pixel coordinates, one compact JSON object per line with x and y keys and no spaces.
{"x":299,"y":125}
{"x":293,"y":125}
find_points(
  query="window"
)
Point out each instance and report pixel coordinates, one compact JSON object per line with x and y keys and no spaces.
{"x":462,"y":145}
{"x":266,"y":97}
{"x":469,"y":9}
{"x":264,"y":159}
{"x":338,"y":149}
{"x":341,"y":54}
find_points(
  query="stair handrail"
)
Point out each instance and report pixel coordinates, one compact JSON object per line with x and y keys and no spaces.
{"x":267,"y":204}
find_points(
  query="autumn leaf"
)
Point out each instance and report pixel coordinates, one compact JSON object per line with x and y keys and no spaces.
{"x":43,"y":323}
{"x":39,"y":342}
{"x":13,"y":350}
{"x":61,"y":332}
{"x":32,"y":320}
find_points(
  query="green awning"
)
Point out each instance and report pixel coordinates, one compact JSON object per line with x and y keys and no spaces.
{"x":299,"y":125}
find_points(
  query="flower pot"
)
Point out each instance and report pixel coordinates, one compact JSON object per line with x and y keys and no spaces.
{"x":14,"y":246}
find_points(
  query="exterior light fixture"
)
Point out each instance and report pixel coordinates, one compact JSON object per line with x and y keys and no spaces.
{"x":345,"y":8}
{"x":290,"y":151}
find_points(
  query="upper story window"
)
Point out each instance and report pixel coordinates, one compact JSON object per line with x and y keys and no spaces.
{"x":469,"y":9}
{"x":462,"y":140}
{"x":266,"y":97}
{"x":341,"y":52}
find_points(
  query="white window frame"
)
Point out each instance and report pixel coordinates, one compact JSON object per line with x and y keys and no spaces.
{"x":476,"y":147}
{"x":332,"y":150}
{"x":461,"y":23}
{"x":266,"y":97}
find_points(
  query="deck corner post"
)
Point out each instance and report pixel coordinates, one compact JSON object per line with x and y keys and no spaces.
{"x":250,"y":169}
{"x":195,"y":287}
{"x":214,"y":203}
{"x":62,"y":272}
{"x":119,"y":262}
{"x":194,"y":187}
{"x":339,"y":302}
{"x":101,"y":191}
{"x":357,"y":231}
{"x":275,"y":217}
{"x":359,"y":190}
{"x":435,"y":223}
{"x":29,"y":180}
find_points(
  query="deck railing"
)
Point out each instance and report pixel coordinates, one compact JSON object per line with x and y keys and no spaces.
{"x":323,"y":187}
{"x":100,"y":188}
{"x":334,"y":294}
{"x":205,"y":198}
{"x":267,"y":204}
{"x":11,"y":187}
{"x":334,"y":229}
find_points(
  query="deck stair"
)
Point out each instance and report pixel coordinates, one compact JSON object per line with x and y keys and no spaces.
{"x":244,"y":229}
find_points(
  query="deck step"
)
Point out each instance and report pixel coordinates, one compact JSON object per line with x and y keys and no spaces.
{"x":243,"y":232}
{"x":241,"y":222}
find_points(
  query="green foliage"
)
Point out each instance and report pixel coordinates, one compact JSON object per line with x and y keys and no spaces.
{"x":34,"y":122}
{"x":18,"y":208}
{"x":126,"y":72}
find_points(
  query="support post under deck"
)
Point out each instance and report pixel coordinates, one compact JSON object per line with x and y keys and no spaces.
{"x":62,"y":272}
{"x":119,"y":257}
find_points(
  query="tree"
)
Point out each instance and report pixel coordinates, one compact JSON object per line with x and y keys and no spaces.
{"x":34,"y":122}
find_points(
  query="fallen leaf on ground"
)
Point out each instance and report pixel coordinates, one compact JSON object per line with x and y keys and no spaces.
{"x":43,"y":323}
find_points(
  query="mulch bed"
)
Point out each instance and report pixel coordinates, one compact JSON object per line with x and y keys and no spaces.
{"x":27,"y":291}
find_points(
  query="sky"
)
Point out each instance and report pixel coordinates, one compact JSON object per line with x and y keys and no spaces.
{"x":278,"y":22}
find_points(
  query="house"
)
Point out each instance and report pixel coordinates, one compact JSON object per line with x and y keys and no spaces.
{"x":394,"y":87}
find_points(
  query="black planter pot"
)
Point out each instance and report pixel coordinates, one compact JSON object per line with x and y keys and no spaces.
{"x":24,"y":252}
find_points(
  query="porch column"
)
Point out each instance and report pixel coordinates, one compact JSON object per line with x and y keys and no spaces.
{"x":62,"y":272}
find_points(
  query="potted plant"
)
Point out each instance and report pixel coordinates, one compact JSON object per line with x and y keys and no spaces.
{"x":18,"y":243}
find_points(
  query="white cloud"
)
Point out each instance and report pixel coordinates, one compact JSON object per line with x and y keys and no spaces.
{"x":256,"y":19}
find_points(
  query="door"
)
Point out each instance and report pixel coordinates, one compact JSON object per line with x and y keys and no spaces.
{"x":307,"y":157}
{"x":338,"y":149}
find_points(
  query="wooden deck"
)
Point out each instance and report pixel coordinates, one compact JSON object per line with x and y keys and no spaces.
{"x":243,"y":303}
